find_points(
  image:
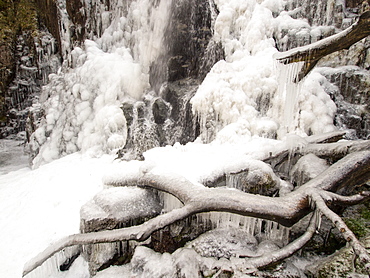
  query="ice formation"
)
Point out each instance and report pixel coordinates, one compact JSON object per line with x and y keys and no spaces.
{"x":248,"y":89}
{"x":245,"y":102}
{"x":82,"y":102}
{"x":246,"y":94}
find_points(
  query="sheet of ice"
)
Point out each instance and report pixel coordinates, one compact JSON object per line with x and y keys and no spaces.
{"x":41,"y":206}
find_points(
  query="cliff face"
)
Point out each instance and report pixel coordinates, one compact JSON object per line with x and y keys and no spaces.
{"x":26,"y":58}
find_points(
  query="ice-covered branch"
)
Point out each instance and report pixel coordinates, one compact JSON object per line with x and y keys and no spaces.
{"x":347,"y":234}
{"x":139,"y":233}
{"x":312,"y":53}
{"x":281,"y":254}
{"x":331,"y":197}
{"x":286,"y":210}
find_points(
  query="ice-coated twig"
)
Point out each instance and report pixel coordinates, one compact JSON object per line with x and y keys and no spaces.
{"x":347,"y":234}
{"x":139,"y":233}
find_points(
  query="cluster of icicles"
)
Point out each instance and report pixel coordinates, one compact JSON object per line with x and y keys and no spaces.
{"x":254,"y":226}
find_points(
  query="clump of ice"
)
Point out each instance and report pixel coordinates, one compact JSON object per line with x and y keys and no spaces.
{"x":225,"y":243}
{"x":246,"y":93}
{"x":82,"y":103}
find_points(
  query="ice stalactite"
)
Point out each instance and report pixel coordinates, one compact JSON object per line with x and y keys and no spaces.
{"x":288,"y":91}
{"x":260,"y":228}
{"x":55,"y":265}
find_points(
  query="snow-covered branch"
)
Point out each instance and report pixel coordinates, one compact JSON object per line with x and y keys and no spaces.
{"x":312,"y":53}
{"x":287,"y":210}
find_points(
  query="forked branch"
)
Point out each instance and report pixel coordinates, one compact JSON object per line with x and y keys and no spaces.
{"x":285,"y":210}
{"x":347,"y":234}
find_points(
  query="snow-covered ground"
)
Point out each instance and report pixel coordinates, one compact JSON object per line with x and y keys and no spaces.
{"x":38,"y":207}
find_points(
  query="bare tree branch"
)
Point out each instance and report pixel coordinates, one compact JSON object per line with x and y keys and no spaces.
{"x":197,"y":198}
{"x":139,"y":233}
{"x":331,"y":197}
{"x":347,"y":234}
{"x":250,"y":264}
{"x":312,"y":53}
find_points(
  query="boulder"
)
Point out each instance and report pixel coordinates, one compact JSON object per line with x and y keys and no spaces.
{"x":115,"y":208}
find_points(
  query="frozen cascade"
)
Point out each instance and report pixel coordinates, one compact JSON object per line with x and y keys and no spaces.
{"x":83,"y":111}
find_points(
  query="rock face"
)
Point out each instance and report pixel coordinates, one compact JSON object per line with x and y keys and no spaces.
{"x":352,"y":98}
{"x":165,"y":117}
{"x":29,"y":53}
{"x":340,"y":264}
{"x":349,"y":68}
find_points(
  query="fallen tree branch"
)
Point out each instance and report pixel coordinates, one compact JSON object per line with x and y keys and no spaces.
{"x":347,"y":234}
{"x":285,"y":210}
{"x":139,"y":233}
{"x":312,"y":53}
{"x":331,"y":197}
{"x":251,"y":264}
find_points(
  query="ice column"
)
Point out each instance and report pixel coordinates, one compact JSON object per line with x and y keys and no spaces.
{"x":288,"y":91}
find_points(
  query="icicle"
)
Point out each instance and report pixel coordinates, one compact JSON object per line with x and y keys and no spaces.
{"x":288,"y":91}
{"x":51,"y":268}
{"x":169,"y":202}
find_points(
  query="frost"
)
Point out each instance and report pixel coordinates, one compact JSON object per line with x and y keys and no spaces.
{"x":224,"y":243}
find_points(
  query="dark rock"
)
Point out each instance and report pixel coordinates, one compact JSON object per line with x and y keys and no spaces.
{"x":48,"y":13}
{"x":128,"y":112}
{"x":340,"y":264}
{"x":160,"y":111}
{"x":190,"y":51}
{"x":352,"y":98}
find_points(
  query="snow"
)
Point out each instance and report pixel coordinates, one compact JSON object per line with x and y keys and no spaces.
{"x":12,"y":156}
{"x":41,"y":206}
{"x":240,"y":106}
{"x":249,"y":89}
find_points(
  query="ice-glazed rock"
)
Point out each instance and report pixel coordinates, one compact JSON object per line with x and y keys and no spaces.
{"x":115,"y":208}
{"x":225,"y":243}
{"x":118,"y":207}
{"x":307,"y":168}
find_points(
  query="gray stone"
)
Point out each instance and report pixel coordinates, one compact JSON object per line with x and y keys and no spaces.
{"x":340,"y":264}
{"x":115,"y":208}
{"x":225,"y":243}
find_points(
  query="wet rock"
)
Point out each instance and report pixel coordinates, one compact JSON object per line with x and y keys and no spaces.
{"x":340,"y":264}
{"x":191,"y":53}
{"x":160,"y":111}
{"x":352,"y":98}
